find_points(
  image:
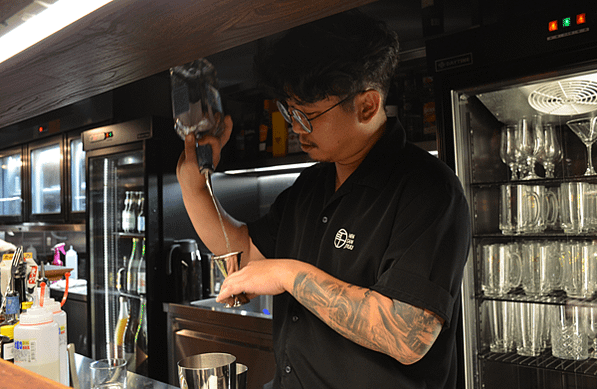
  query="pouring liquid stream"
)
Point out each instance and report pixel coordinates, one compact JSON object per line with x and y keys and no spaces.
{"x":213,"y":198}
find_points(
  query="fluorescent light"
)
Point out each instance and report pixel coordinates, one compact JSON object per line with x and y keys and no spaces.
{"x":52,"y":19}
{"x":280,"y":168}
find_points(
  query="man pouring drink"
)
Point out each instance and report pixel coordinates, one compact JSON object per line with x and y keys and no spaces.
{"x":364,"y":253}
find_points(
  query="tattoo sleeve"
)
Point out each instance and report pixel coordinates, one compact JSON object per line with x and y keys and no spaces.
{"x":368,"y":318}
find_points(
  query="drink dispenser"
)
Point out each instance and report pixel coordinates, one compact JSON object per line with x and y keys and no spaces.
{"x":184,"y":265}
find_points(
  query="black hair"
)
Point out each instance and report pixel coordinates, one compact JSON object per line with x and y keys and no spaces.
{"x":340,"y":55}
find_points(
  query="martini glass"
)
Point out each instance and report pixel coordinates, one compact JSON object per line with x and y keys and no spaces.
{"x":586,"y":131}
{"x":228,"y":264}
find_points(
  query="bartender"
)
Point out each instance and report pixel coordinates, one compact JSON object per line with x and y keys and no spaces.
{"x":365,"y":252}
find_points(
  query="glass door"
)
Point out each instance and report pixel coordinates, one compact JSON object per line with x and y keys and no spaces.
{"x":46,"y":180}
{"x":76,"y":178}
{"x":11,"y":185}
{"x":524,"y":156}
{"x":115,"y":255}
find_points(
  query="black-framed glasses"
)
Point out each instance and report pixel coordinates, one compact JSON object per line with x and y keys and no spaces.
{"x":301,"y":118}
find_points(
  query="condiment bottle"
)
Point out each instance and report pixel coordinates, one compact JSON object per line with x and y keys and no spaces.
{"x":59,"y":317}
{"x":36,"y":343}
{"x":7,"y":349}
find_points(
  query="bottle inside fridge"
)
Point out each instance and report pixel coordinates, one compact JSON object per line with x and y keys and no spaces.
{"x":524,"y":155}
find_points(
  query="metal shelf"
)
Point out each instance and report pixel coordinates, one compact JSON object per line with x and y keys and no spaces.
{"x":544,"y":361}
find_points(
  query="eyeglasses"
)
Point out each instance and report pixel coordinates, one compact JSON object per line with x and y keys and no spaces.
{"x":301,"y":118}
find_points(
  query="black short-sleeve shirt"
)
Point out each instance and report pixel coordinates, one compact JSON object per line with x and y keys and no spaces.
{"x":398,"y":225}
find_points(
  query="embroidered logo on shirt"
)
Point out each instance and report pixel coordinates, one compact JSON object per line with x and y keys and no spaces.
{"x":344,"y":240}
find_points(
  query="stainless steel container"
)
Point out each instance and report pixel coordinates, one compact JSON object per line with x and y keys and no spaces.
{"x":208,"y":371}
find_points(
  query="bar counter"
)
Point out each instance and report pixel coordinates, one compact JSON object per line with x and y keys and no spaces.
{"x":17,"y":377}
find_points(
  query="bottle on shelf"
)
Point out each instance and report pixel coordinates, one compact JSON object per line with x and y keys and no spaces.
{"x":121,"y":323}
{"x":129,"y":335}
{"x":72,"y":262}
{"x":129,"y":215}
{"x":141,"y":354}
{"x":123,"y":317}
{"x":133,"y":265}
{"x":141,"y":212}
{"x":141,"y":274}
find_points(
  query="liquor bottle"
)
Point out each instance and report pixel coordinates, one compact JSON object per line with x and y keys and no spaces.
{"x":121,"y":324}
{"x":141,"y":274}
{"x":126,"y":213}
{"x":141,"y":340}
{"x":140,"y":212}
{"x":133,"y":265}
{"x":123,"y":318}
{"x":129,"y":334}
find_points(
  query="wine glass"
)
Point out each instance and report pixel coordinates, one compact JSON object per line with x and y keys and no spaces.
{"x":228,"y":264}
{"x":509,"y":152}
{"x":530,"y":142}
{"x":552,"y":151}
{"x":586,"y":131}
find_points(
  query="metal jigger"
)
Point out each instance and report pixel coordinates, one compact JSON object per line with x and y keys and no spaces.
{"x":196,"y":105}
{"x":228,"y":264}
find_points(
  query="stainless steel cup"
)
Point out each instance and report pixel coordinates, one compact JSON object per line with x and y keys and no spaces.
{"x":241,"y":376}
{"x":228,"y":264}
{"x":208,"y":371}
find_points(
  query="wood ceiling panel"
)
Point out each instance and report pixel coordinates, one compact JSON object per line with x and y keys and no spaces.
{"x":11,"y":7}
{"x":128,"y":40}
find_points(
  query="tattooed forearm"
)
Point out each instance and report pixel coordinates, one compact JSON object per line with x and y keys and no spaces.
{"x":374,"y":321}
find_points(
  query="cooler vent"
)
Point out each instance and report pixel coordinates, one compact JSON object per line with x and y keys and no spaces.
{"x":571,"y":97}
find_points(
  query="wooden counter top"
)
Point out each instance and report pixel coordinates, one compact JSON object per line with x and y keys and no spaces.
{"x":19,"y":377}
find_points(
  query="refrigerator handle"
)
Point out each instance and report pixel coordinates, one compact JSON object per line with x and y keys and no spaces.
{"x":172,"y":248}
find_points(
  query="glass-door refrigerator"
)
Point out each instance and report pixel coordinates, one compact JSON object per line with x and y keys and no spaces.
{"x":517,"y":118}
{"x":126,"y":165}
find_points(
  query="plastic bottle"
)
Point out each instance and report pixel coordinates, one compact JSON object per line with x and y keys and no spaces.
{"x":59,"y":317}
{"x":36,"y":343}
{"x":8,"y":345}
{"x":72,"y":261}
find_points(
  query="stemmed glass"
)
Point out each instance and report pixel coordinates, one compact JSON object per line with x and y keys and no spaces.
{"x":530,"y":141}
{"x":509,"y":152}
{"x":552,"y":151}
{"x":586,"y":131}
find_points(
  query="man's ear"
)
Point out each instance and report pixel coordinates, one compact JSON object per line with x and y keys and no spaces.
{"x":368,"y":105}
